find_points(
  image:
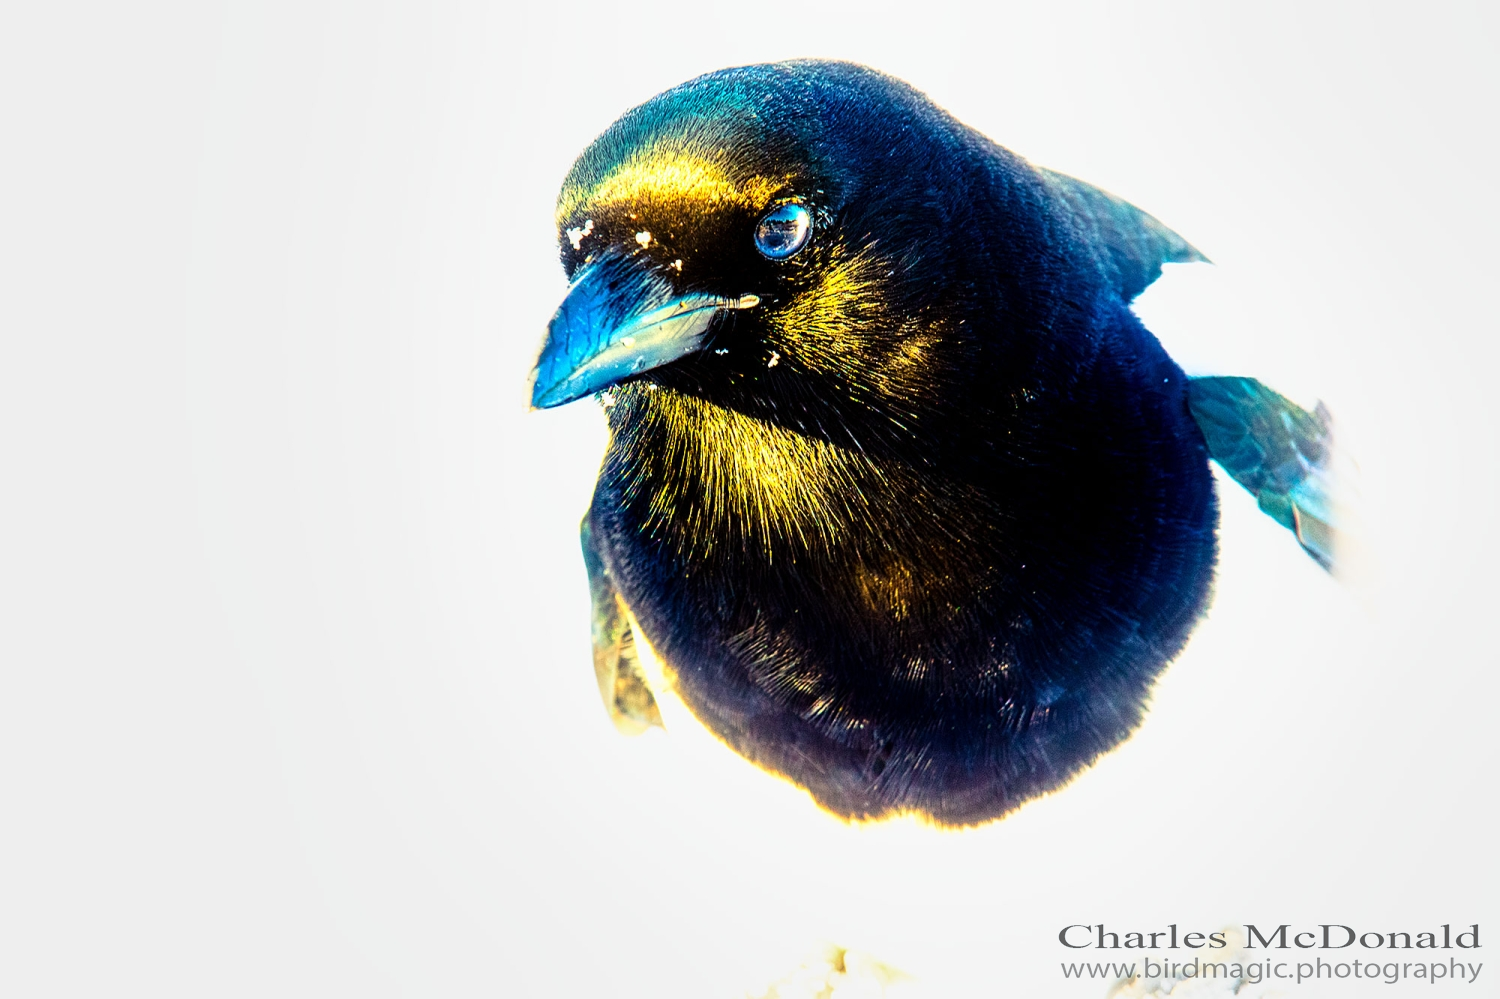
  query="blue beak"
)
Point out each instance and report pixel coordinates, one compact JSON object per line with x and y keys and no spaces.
{"x":618,"y":320}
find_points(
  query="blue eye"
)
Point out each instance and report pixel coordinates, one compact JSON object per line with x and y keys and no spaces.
{"x":783,"y":231}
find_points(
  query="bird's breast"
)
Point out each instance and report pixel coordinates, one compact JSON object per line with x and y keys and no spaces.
{"x":739,"y":523}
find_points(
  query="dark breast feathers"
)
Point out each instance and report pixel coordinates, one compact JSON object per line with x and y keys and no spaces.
{"x":894,"y":637}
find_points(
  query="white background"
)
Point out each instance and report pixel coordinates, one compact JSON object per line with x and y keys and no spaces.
{"x":295,"y":688}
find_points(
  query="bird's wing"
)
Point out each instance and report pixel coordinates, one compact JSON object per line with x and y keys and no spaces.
{"x":1280,"y":452}
{"x":1135,"y":244}
{"x":622,"y":683}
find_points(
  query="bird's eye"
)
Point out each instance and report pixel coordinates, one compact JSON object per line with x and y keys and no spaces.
{"x":783,"y":231}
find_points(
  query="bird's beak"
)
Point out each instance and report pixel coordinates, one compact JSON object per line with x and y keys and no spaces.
{"x":619,"y":319}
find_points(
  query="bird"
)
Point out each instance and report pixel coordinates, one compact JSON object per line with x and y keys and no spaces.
{"x":900,"y":493}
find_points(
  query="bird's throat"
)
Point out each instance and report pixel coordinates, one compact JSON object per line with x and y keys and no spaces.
{"x":732,"y":479}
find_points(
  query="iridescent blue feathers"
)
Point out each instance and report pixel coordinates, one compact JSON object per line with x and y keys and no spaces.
{"x":1278,"y":451}
{"x":1133,"y":245}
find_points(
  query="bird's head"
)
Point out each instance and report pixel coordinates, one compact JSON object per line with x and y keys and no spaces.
{"x":783,"y":240}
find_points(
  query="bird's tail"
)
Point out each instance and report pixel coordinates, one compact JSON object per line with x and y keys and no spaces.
{"x":1283,"y":454}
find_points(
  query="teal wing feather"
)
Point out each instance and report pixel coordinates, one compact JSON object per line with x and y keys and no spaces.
{"x":1280,"y":452}
{"x":622,"y":683}
{"x":1134,"y":244}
